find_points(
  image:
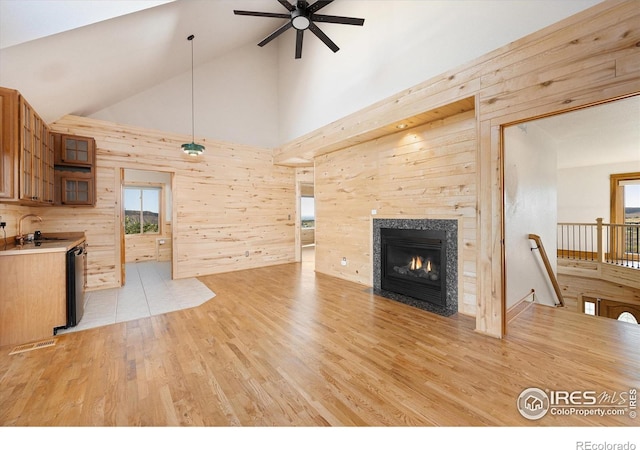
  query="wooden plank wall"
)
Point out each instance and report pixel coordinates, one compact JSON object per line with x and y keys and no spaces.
{"x":10,"y":214}
{"x":147,"y":248}
{"x":574,"y":286}
{"x":100,"y":225}
{"x":427,"y":172}
{"x":588,"y":58}
{"x":232,"y":208}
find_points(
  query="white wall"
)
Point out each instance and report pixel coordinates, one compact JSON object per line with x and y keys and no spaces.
{"x":236,"y":100}
{"x":584,"y":192}
{"x":394,"y":50}
{"x":530,"y":207}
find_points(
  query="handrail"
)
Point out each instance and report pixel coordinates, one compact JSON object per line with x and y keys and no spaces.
{"x":547,"y":265}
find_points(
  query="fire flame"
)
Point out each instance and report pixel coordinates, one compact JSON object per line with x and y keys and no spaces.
{"x":417,"y":263}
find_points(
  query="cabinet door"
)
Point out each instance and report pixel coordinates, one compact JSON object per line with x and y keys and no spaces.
{"x":76,"y":150}
{"x":9,"y":118}
{"x":77,"y":191}
{"x":27,"y":150}
{"x":36,"y":159}
{"x":48,"y":173}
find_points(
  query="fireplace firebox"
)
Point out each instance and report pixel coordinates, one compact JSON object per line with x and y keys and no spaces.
{"x":413,"y":263}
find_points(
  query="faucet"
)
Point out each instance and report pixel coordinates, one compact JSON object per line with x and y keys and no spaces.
{"x":20,"y":236}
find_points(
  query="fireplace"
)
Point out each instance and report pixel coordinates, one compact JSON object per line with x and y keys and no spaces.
{"x":415,"y":261}
{"x":411,"y":263}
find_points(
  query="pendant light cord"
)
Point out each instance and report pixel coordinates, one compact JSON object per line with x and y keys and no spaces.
{"x":192,"y":105}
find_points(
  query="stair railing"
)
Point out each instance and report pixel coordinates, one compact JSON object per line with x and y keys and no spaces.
{"x":616,"y":244}
{"x":545,"y":259}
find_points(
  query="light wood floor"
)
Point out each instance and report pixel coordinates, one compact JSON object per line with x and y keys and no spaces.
{"x":283,"y":346}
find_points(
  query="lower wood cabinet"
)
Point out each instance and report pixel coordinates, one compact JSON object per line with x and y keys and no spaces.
{"x":33,"y":300}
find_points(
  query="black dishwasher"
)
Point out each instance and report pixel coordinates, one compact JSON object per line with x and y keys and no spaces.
{"x":75,"y":284}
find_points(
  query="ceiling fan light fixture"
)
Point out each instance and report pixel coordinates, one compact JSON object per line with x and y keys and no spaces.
{"x":191,"y":148}
{"x":299,"y":20}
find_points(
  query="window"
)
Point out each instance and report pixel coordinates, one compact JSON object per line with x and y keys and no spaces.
{"x":307,"y":212}
{"x":590,"y":308}
{"x":627,"y":317}
{"x":142,"y":209}
{"x":625,"y":210}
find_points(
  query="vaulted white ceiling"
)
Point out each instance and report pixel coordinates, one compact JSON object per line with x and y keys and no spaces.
{"x":129,"y":61}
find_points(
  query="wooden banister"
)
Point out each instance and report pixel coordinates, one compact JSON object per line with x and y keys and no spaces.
{"x":547,"y":265}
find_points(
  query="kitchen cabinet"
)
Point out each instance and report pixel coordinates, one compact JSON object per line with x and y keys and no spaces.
{"x":31,"y":310}
{"x":74,"y":169}
{"x":33,"y":301}
{"x":76,"y":190}
{"x":26,"y":153}
{"x":75,"y":151}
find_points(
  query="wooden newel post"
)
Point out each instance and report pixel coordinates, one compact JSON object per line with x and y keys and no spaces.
{"x":600,"y":248}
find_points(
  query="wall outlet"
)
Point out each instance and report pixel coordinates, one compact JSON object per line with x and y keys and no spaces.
{"x":374,"y":212}
{"x":343,"y":262}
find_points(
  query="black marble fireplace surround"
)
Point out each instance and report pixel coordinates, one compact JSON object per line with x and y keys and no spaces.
{"x":444,"y":229}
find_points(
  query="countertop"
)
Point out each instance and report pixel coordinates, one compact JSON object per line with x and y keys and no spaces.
{"x":57,"y":242}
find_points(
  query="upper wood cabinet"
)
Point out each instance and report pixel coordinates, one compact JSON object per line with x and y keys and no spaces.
{"x":27,"y":153}
{"x":74,"y":169}
{"x":74,"y":150}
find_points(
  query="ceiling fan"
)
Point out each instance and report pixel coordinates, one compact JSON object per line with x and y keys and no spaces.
{"x":302,"y":16}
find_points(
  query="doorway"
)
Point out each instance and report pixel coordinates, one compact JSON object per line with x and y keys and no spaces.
{"x":557,"y":170}
{"x":146,"y":218}
{"x":307,"y":220}
{"x":611,"y":309}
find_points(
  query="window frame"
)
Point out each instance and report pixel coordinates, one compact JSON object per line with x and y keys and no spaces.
{"x":617,"y":204}
{"x":617,"y":194}
{"x":145,"y":186}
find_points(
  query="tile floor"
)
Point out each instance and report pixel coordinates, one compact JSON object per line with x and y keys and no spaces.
{"x":149,"y":291}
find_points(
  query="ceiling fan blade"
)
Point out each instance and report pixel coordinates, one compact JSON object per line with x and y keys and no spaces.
{"x":337,"y":19}
{"x":261,"y":14}
{"x":323,"y":37}
{"x":299,"y":36}
{"x":275,"y":34}
{"x":287,"y":5}
{"x":318,"y":5}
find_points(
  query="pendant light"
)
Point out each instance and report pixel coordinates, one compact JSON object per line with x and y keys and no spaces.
{"x":192,"y":149}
